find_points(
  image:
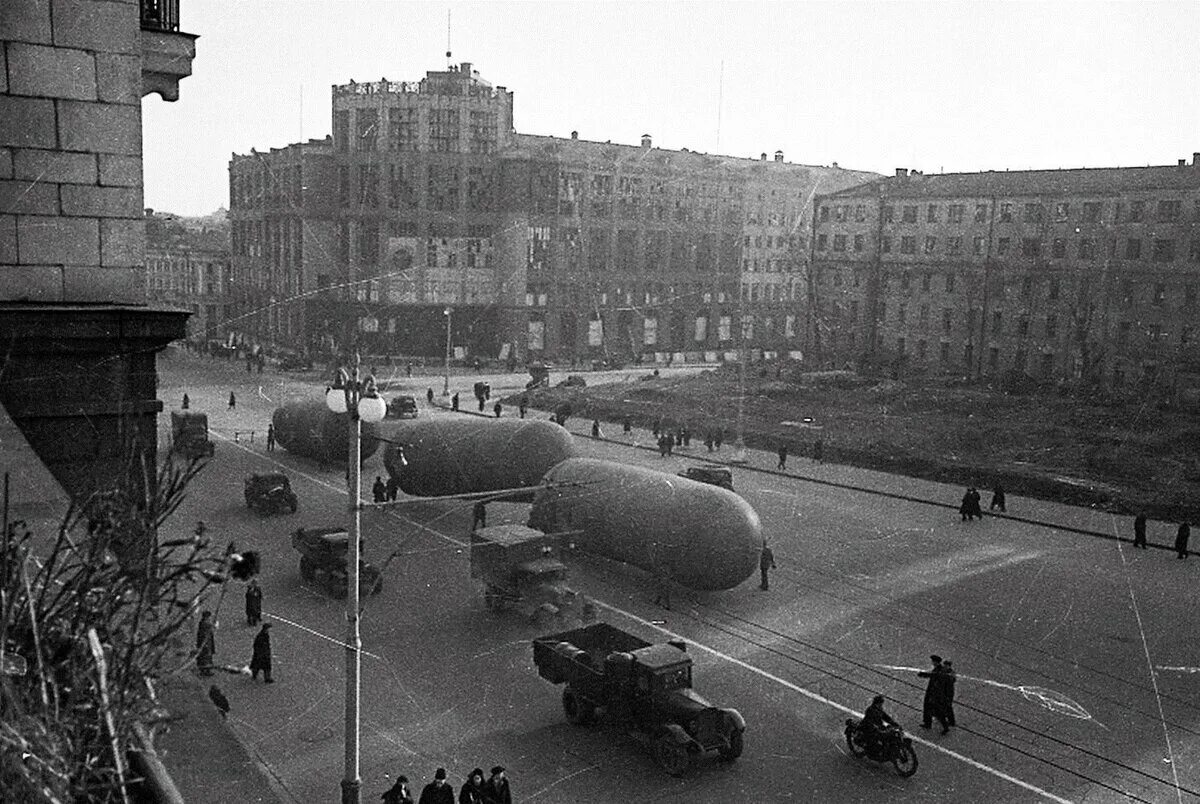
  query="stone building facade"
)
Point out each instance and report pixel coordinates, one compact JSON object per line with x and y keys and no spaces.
{"x":1067,"y":276}
{"x":78,"y":338}
{"x":426,"y":200}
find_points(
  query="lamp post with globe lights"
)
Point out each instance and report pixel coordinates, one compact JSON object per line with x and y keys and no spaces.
{"x":446,"y":383}
{"x":361,"y":401}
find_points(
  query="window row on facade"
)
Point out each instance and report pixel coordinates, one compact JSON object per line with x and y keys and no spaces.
{"x":1127,"y":211}
{"x":1158,"y":249}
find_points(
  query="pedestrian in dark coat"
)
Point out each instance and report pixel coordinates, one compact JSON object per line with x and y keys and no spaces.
{"x":496,"y":789}
{"x":253,"y":603}
{"x":595,"y":428}
{"x":438,"y":791}
{"x":626,"y":426}
{"x":186,"y":402}
{"x":260,"y":659}
{"x":947,"y":718}
{"x":670,"y":444}
{"x":1181,"y":540}
{"x":454,"y":401}
{"x":482,"y":399}
{"x":783,"y":450}
{"x":929,"y":706}
{"x":232,"y":401}
{"x":964,"y":508}
{"x":766,"y":561}
{"x":718,"y":437}
{"x":206,"y":643}
{"x":479,"y":515}
{"x":472,"y":789}
{"x":1139,"y":531}
{"x":270,"y":438}
{"x":819,"y":451}
{"x":976,"y":505}
{"x":429,"y":394}
{"x":497,"y":408}
{"x":997,"y":499}
{"x":523,"y":406}
{"x":398,"y":793}
{"x":378,"y":490}
{"x":393,"y":487}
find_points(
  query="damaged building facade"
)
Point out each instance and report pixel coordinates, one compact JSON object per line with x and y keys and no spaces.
{"x":425,"y":207}
{"x":1086,"y":276}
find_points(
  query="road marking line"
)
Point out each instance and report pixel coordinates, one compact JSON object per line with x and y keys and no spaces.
{"x":834,"y":704}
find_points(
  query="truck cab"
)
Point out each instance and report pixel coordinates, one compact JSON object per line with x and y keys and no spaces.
{"x":189,"y":434}
{"x":519,"y":566}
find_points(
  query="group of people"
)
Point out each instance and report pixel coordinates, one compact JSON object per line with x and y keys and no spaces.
{"x":385,"y":492}
{"x":939,"y":694}
{"x":972,"y":507}
{"x":475,"y":789}
{"x":260,"y":652}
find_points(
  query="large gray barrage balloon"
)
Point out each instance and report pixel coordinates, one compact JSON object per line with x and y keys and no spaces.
{"x":467,"y":455}
{"x":311,"y":429}
{"x":698,"y":535}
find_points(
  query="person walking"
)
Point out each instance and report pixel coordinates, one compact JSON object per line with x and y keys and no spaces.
{"x":479,"y":515}
{"x":976,"y":505}
{"x":626,"y":425}
{"x":948,"y":680}
{"x":429,"y":395}
{"x":454,"y":401}
{"x":472,"y":790}
{"x":260,"y":658}
{"x":206,"y":643}
{"x":1139,"y":531}
{"x":997,"y":499}
{"x":929,"y":705}
{"x":595,"y":428}
{"x":783,"y":450}
{"x":964,"y":508}
{"x":253,"y":603}
{"x":393,"y":488}
{"x":438,"y":791}
{"x":270,"y":438}
{"x":819,"y":451}
{"x":496,"y":789}
{"x":1181,"y":540}
{"x":186,"y":402}
{"x":523,"y":406}
{"x":497,"y":408}
{"x":766,"y":561}
{"x":232,"y":401}
{"x":378,"y":490}
{"x":718,"y":437}
{"x":398,"y":793}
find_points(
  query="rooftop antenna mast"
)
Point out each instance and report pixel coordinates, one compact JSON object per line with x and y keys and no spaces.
{"x":720,"y":93}
{"x":447,"y":38}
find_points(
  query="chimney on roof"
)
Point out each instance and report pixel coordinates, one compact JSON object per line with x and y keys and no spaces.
{"x":574,"y":135}
{"x":763,"y":158}
{"x":465,"y":68}
{"x":646,"y":141}
{"x":779,"y":156}
{"x":1195,"y":158}
{"x":901,"y":172}
{"x":1182,"y":162}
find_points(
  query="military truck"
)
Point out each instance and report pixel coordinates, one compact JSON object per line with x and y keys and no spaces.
{"x":644,"y":687}
{"x":189,"y":434}
{"x":323,"y":561}
{"x":519,"y":567}
{"x":269,"y":493}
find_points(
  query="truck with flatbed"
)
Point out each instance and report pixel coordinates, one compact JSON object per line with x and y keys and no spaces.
{"x":645,"y":687}
{"x":520,"y":567}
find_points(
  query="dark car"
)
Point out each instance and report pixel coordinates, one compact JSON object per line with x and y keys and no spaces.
{"x":270,"y":493}
{"x":714,"y":475}
{"x":323,"y":561}
{"x":402,"y":407}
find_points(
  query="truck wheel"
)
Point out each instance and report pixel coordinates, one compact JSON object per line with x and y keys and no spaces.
{"x":671,"y":756}
{"x":736,"y":744}
{"x":577,"y":710}
{"x":306,"y":568}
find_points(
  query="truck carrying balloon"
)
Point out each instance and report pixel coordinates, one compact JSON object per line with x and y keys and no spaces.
{"x":698,"y":535}
{"x":434,"y":457}
{"x":314,"y":431}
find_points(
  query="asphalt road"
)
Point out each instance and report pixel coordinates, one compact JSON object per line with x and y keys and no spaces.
{"x":1053,"y":635}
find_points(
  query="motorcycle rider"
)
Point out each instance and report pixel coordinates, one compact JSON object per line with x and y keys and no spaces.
{"x":875,"y":724}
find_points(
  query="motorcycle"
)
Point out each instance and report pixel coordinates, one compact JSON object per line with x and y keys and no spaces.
{"x":893,"y":745}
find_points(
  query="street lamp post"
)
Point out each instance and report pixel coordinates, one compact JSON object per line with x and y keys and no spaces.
{"x":446,"y":383}
{"x":361,"y":401}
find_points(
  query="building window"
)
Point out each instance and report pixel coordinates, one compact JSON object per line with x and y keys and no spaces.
{"x":859,"y":242}
{"x":854,"y":312}
{"x":1062,"y":211}
{"x":902,"y":314}
{"x":1164,"y":250}
{"x":368,"y":129}
{"x":1002,"y":245}
{"x":925,"y":280}
{"x":930,"y":244}
{"x":981,"y":213}
{"x":1087,"y":248}
{"x":950,"y":282}
{"x":1051,"y":326}
{"x":824,"y":214}
{"x":860,"y":213}
{"x":1091,"y":211}
{"x":1133,"y":248}
{"x":1160,"y":293}
{"x":1058,"y":248}
{"x":1033,"y":213}
{"x":1052,"y":293}
{"x":997,"y":323}
{"x":947,"y":319}
{"x":904,"y":279}
{"x":932,"y":214}
{"x":1194,"y":251}
{"x":1023,"y":325}
{"x":1047,"y":364}
{"x":1137,"y":210}
{"x":954,"y":245}
{"x":944,"y":353}
{"x":1031,"y":246}
{"x":839,"y":213}
{"x":1005,"y":213}
{"x":993,"y":359}
{"x":1019,"y":361}
{"x":889,"y":214}
{"x":901,"y":345}
{"x":908,"y":244}
{"x":921,"y":348}
{"x":885,"y":244}
{"x":822,"y":242}
{"x":1189,"y":297}
{"x":977,"y":245}
{"x":910,"y":214}
{"x":839,"y":242}
{"x":1169,"y":210}
{"x":923,"y":316}
{"x":1026,"y":287}
{"x":954,"y":213}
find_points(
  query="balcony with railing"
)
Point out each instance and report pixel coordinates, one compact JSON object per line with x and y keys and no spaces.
{"x":167,"y":52}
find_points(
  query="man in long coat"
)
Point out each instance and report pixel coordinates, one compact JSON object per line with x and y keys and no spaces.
{"x":206,"y":644}
{"x":1139,"y":531}
{"x":253,"y":603}
{"x":766,"y":561}
{"x":929,"y":705}
{"x":1181,"y":540}
{"x":260,"y":660}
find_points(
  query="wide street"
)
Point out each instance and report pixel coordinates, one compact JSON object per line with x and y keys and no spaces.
{"x":1056,"y":637}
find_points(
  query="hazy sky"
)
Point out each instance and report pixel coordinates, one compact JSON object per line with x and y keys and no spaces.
{"x":955,"y":86}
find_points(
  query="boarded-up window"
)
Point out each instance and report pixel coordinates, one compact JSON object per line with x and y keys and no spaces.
{"x":649,"y":331}
{"x":595,"y":332}
{"x":537,"y":335}
{"x":724,"y":327}
{"x":701,"y":329}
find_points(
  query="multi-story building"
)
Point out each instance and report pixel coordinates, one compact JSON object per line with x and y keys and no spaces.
{"x":1086,"y":275}
{"x":425,"y":199}
{"x":79,"y":340}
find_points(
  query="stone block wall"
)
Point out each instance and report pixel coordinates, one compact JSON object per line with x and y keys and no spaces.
{"x":71,"y":224}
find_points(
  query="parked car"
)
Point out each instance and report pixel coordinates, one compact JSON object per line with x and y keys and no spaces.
{"x":712,"y":474}
{"x":402,"y":407}
{"x":270,"y":493}
{"x":323,"y":561}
